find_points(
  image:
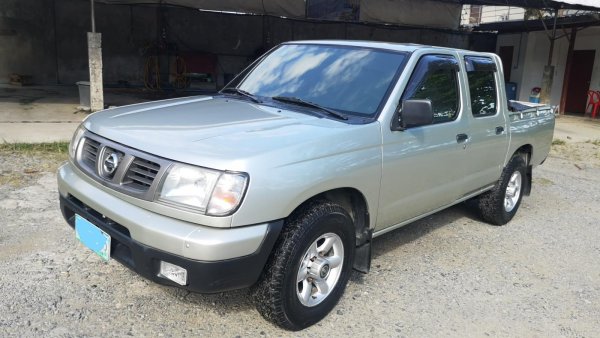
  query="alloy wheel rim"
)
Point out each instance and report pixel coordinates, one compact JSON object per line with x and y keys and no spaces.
{"x":320,"y":269}
{"x":513,"y":191}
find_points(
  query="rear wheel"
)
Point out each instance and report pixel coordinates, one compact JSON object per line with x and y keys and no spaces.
{"x":310,"y":267}
{"x":499,"y":205}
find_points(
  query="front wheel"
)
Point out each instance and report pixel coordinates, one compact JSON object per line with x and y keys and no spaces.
{"x":499,"y":205}
{"x":310,"y":267}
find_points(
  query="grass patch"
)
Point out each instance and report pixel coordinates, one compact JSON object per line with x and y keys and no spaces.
{"x":30,"y":148}
{"x":13,"y":179}
{"x":558,"y":142}
{"x":30,"y":159}
{"x":595,"y":142}
{"x":543,"y":181}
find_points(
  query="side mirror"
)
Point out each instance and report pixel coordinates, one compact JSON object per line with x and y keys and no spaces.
{"x":413,"y":113}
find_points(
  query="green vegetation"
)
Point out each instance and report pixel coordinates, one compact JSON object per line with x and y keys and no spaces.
{"x":35,"y":148}
{"x":13,"y":179}
{"x":595,"y":142}
{"x":26,"y":161}
{"x":558,"y":142}
{"x":543,"y":181}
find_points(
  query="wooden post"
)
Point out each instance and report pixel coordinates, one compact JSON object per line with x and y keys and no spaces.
{"x":547,"y":80}
{"x":548,"y":75}
{"x":565,"y":88}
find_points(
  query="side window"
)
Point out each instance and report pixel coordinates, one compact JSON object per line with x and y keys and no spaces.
{"x":435,"y":78}
{"x":481,"y":74}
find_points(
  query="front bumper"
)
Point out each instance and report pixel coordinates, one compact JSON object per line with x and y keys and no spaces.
{"x":211,"y":268}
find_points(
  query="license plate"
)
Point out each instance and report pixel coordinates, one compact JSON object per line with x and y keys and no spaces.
{"x":92,"y":237}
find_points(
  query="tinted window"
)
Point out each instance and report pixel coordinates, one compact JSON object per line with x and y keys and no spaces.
{"x":482,"y":85}
{"x":352,"y":80}
{"x":435,"y":78}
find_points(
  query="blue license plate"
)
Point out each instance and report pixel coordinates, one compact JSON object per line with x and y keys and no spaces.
{"x":92,"y":237}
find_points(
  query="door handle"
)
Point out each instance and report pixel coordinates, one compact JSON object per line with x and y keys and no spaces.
{"x":462,"y":138}
{"x":499,"y":130}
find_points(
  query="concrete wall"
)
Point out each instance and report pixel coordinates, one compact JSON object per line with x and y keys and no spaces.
{"x":126,"y":32}
{"x":27,"y":39}
{"x":531,"y":51}
{"x":519,"y":43}
{"x":47,"y":38}
{"x":590,"y":39}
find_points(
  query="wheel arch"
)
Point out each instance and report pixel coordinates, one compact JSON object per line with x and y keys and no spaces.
{"x":355,"y":203}
{"x":526,"y":152}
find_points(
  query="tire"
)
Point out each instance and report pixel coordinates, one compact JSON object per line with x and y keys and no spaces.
{"x":499,"y":205}
{"x":296,"y":291}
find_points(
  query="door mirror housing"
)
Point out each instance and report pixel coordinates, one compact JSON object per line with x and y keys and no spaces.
{"x":413,"y":113}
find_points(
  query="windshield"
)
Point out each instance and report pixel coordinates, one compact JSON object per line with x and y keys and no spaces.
{"x":351,"y":80}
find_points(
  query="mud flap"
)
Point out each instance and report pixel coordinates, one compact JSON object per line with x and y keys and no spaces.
{"x":362,"y":257}
{"x":528,"y":181}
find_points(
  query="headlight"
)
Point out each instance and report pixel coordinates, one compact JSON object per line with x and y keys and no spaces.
{"x":227,"y":195}
{"x":75,"y":140}
{"x":209,"y":191}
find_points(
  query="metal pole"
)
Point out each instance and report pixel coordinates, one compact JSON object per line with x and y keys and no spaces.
{"x":93,"y":17}
{"x":55,"y":42}
{"x":553,"y":38}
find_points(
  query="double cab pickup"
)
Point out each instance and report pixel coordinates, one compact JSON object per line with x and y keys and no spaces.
{"x":281,"y":180}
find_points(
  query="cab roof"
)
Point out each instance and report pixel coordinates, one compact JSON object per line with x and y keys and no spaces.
{"x":400,"y":47}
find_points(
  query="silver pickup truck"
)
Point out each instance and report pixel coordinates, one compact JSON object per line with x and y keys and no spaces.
{"x":281,"y":180}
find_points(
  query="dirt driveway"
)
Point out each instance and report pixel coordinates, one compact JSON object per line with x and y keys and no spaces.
{"x":446,"y":275}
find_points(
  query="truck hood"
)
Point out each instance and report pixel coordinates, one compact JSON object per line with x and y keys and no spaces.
{"x":217,"y":132}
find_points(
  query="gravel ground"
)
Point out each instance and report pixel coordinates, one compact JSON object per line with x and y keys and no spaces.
{"x":446,"y":275}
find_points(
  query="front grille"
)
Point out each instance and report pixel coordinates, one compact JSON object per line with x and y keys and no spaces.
{"x":124,"y":169}
{"x":108,"y":162}
{"x":141,"y":174}
{"x":89,"y":153}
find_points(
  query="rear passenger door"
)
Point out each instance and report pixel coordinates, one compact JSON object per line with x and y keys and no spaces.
{"x":488,"y":140}
{"x":423,"y":166}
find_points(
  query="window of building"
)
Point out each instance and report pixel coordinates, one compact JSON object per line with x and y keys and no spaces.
{"x":344,"y":10}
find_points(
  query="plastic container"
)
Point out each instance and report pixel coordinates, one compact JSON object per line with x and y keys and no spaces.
{"x":534,"y":97}
{"x":84,"y":93}
{"x":511,"y":90}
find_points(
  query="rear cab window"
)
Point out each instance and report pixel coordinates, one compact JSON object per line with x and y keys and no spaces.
{"x":481,"y":78}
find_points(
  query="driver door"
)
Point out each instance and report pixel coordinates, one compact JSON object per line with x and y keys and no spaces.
{"x":422,"y":166}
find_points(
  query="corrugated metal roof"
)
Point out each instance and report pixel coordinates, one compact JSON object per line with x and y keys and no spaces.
{"x":588,"y":5}
{"x":296,"y":8}
{"x":537,"y":25}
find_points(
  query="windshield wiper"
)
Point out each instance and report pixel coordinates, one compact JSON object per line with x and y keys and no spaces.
{"x":301,"y":102}
{"x":242,"y":93}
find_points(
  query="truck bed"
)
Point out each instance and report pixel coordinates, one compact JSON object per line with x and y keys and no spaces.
{"x":531,"y":124}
